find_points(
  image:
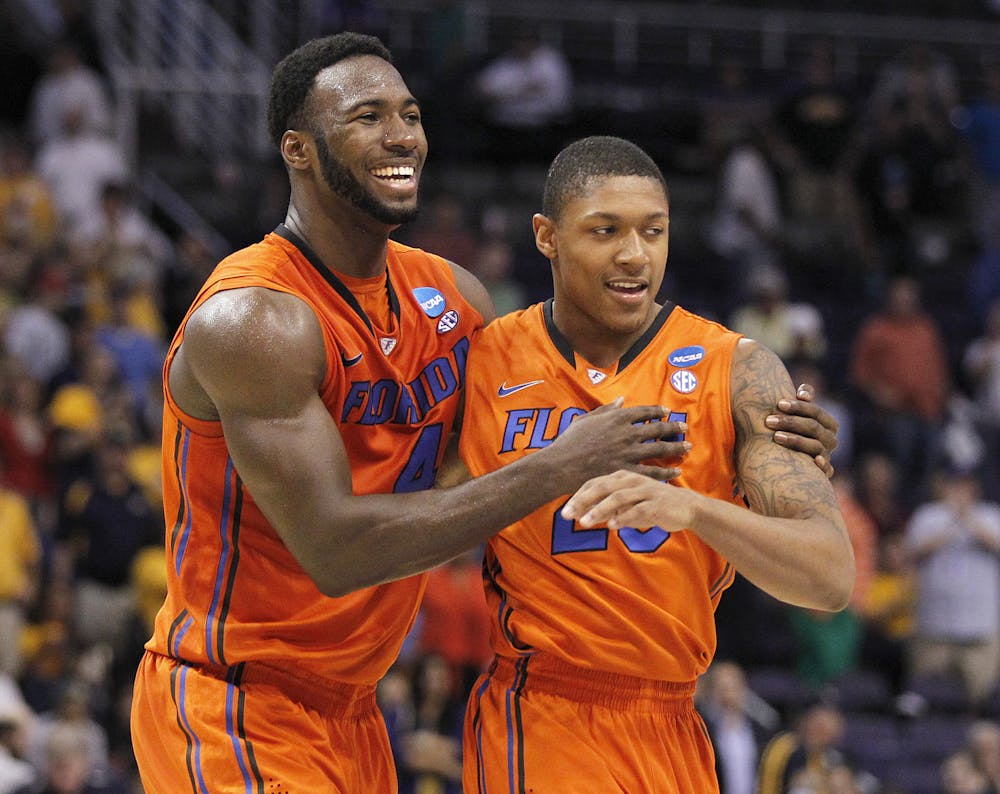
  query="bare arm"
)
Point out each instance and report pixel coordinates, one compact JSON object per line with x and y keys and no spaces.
{"x":792,"y":543}
{"x":255,"y":358}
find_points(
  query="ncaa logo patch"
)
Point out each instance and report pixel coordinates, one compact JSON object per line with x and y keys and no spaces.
{"x":430,"y":299}
{"x":686,"y":356}
{"x":448,"y":321}
{"x":684,"y":381}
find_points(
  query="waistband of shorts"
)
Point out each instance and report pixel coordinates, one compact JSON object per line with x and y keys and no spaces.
{"x":544,"y":673}
{"x":334,"y":699}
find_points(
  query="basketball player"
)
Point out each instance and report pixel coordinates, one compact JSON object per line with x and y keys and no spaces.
{"x":603,"y":606}
{"x":309,"y":395}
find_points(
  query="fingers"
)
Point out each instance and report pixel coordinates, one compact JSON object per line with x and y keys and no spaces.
{"x":816,"y":438}
{"x":805,"y":392}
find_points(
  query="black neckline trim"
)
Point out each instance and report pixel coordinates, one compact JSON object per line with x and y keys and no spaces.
{"x":339,"y":286}
{"x":566,"y":349}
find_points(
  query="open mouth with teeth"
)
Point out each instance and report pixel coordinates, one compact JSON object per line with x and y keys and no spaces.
{"x":627,"y":287}
{"x":395,"y":173}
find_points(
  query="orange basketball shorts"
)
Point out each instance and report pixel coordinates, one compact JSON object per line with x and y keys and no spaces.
{"x":539,"y":726}
{"x":254,"y":729}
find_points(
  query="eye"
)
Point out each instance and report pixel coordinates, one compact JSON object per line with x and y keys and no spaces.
{"x":603,"y":231}
{"x":369,"y":118}
{"x":412,"y":118}
{"x":655,"y":231}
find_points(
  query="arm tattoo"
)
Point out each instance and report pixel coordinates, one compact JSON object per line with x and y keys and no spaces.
{"x":777,"y":481}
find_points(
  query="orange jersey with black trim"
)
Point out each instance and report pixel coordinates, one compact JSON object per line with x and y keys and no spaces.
{"x":638,"y":602}
{"x":235,"y":592}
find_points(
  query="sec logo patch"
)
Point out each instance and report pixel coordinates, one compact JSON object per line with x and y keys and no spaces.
{"x":684,"y":381}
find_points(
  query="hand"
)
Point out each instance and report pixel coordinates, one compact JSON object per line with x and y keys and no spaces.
{"x":627,"y":499}
{"x":805,"y":427}
{"x":610,"y":438}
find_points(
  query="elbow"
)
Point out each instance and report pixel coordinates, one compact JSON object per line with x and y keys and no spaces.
{"x":840,"y":585}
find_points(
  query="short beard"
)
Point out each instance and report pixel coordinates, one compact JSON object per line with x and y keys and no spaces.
{"x":343,"y":183}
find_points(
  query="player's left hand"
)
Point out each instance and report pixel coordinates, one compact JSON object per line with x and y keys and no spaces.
{"x":802,"y":425}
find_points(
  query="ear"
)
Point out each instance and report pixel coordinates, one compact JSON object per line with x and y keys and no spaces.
{"x":296,"y":149}
{"x":545,"y":235}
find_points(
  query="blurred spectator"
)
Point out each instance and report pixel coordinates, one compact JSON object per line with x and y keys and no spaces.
{"x":981,"y":362}
{"x":138,"y":354}
{"x":979,"y":123}
{"x":827,"y":644}
{"x":815,"y":123}
{"x":912,"y":178}
{"x":68,"y":85}
{"x":954,"y":541}
{"x":899,"y":366}
{"x":26,"y":439}
{"x":431,"y":749}
{"x":983,"y":742}
{"x":888,"y":613}
{"x":445,"y":230}
{"x":15,"y":770}
{"x":792,"y":330}
{"x":959,"y":775}
{"x":454,"y":624}
{"x":49,"y":647}
{"x":27,"y":208}
{"x":182,"y":278}
{"x":810,"y":746}
{"x":739,"y":723}
{"x":76,"y":166}
{"x":878,"y":489}
{"x":918,"y":70}
{"x":73,"y":708}
{"x":69,"y":766}
{"x":123,"y":238}
{"x":745,"y":228}
{"x":494,"y":265}
{"x":36,"y":336}
{"x":20,"y":559}
{"x":526,"y":93}
{"x":106,"y":522}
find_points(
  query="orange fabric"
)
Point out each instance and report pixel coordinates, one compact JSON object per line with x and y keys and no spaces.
{"x":235,"y":593}
{"x":256,"y":729}
{"x":648,"y":612}
{"x":541,"y":725}
{"x":639,"y":604}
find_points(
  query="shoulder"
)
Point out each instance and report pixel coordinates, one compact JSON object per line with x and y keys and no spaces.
{"x":468,"y":285}
{"x":253,"y":332}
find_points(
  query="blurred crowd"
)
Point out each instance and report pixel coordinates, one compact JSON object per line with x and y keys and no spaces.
{"x":853,"y":227}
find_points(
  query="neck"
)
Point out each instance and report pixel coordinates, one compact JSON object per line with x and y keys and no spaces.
{"x":600,"y":346}
{"x":343,"y":238}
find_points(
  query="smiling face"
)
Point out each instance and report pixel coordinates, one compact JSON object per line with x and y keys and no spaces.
{"x":608,"y":251}
{"x":370,"y":143}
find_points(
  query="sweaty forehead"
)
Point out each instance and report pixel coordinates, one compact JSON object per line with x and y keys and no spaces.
{"x":359,"y":79}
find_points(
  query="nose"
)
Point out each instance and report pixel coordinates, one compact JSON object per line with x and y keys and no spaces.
{"x":632,"y":252}
{"x":399,"y":134}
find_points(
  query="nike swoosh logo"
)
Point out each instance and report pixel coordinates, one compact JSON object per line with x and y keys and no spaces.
{"x":350,"y":362}
{"x":504,"y":389}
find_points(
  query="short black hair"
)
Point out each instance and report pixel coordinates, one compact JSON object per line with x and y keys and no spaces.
{"x":590,"y":158}
{"x":293,"y":77}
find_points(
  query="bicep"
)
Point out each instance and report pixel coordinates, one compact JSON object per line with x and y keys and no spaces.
{"x":260,"y":358}
{"x":777,"y":481}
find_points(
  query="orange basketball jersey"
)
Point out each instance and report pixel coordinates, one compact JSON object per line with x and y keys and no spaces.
{"x":235,"y":592}
{"x":637,"y":602}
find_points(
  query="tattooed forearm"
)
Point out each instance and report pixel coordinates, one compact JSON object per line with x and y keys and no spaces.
{"x":776,"y":481}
